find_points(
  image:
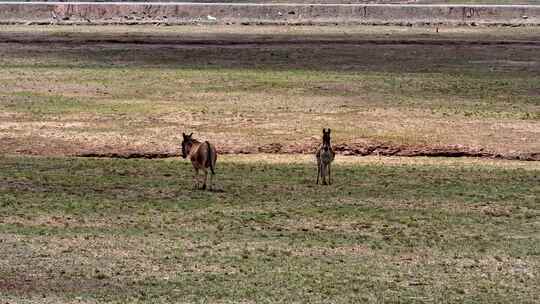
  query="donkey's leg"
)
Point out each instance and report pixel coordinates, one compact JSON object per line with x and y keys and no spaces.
{"x":196,"y":179}
{"x":211,"y":181}
{"x":204,"y":179}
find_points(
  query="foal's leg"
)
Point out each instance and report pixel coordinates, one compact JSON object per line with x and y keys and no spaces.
{"x":211,"y":181}
{"x":323,"y":173}
{"x":318,"y":170}
{"x":329,"y":173}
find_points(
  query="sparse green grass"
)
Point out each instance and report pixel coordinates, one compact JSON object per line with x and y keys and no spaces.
{"x":119,"y":231}
{"x":126,"y":87}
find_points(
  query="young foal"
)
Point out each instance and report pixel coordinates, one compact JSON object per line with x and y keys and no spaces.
{"x":202,"y":156}
{"x":325,"y":155}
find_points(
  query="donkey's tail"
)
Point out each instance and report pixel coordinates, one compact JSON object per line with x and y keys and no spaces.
{"x":209,"y":157}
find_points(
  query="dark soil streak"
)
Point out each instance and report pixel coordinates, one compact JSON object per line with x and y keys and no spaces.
{"x":261,"y":41}
{"x":342,"y":149}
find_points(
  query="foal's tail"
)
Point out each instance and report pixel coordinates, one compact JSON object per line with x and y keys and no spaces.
{"x":209,"y":157}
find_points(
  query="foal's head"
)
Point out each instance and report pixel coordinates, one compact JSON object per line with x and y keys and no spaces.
{"x":187,"y":142}
{"x":326,"y":139}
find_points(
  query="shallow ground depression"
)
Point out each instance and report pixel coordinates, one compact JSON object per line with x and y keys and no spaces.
{"x":131,"y":91}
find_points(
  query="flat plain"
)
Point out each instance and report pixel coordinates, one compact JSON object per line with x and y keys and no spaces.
{"x":390,"y":230}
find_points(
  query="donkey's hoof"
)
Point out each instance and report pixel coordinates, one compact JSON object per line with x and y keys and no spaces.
{"x":204,"y":187}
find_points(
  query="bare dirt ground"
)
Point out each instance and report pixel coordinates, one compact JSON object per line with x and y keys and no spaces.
{"x":131,"y":91}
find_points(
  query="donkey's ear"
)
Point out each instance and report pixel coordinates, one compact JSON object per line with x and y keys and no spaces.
{"x":190,"y":134}
{"x":323,"y":130}
{"x":329,"y":130}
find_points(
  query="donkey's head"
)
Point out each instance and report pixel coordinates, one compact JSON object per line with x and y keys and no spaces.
{"x":187,"y":142}
{"x":326,"y":136}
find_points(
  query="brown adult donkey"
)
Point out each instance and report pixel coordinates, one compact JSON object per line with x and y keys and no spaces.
{"x":325,"y":156}
{"x":202,"y":156}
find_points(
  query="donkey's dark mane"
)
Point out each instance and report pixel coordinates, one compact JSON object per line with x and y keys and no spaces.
{"x":326,"y":141}
{"x":326,"y":137}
